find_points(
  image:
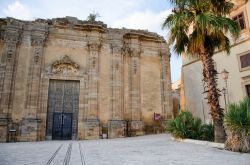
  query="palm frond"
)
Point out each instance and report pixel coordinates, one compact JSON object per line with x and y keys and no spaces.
{"x":237,"y":122}
{"x":222,"y":7}
{"x":206,"y":20}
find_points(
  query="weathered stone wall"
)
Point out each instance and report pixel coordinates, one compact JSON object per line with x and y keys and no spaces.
{"x":124,"y":76}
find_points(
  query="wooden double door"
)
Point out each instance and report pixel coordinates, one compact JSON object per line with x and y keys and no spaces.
{"x":63,"y":107}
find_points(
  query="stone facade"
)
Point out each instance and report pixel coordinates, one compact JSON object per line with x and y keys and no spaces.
{"x":89,"y":75}
{"x":176,"y":87}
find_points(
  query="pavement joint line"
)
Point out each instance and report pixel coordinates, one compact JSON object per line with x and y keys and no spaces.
{"x":54,"y":155}
{"x":68,"y":154}
{"x":81,"y":154}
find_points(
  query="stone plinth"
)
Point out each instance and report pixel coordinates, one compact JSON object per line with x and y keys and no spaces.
{"x":91,"y":129}
{"x":136,"y":127}
{"x":3,"y":129}
{"x":28,"y":129}
{"x":116,"y":129}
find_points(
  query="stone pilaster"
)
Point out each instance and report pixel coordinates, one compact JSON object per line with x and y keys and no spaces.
{"x":116,"y":83}
{"x":93,"y":72}
{"x":134,"y":89}
{"x":116,"y":124}
{"x":91,"y":115}
{"x":136,"y":124}
{"x":30,"y":122}
{"x":34,"y":78}
{"x":8,"y":66}
{"x":167,"y":107}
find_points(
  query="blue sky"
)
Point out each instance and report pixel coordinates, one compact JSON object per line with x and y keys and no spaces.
{"x":136,"y":14}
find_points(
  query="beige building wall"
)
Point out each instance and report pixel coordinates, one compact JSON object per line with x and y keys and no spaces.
{"x":238,"y":78}
{"x":176,"y":88}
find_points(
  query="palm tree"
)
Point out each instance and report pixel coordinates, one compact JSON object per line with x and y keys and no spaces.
{"x":197,"y":29}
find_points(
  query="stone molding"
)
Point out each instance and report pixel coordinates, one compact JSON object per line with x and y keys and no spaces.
{"x":65,"y":66}
{"x":238,"y":3}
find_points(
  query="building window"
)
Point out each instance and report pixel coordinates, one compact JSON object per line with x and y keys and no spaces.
{"x":245,"y":60}
{"x":240,"y":20}
{"x":248,"y":90}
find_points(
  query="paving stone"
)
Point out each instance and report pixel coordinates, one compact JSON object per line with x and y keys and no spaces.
{"x":143,"y":150}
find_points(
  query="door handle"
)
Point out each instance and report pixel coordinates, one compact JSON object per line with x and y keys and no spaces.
{"x":62,"y":120}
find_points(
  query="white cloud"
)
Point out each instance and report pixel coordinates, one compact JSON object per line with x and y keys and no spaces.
{"x":144,"y":20}
{"x":17,"y":10}
{"x":109,"y":10}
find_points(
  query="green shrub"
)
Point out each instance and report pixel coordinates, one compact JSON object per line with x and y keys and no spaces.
{"x":207,"y":132}
{"x":186,"y":126}
{"x":237,"y":124}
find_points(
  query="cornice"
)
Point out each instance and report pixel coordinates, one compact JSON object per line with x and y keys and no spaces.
{"x":238,"y":4}
{"x":143,"y":35}
{"x":41,"y":27}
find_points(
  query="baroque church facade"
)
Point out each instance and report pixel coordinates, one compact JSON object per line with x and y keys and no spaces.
{"x":65,"y":78}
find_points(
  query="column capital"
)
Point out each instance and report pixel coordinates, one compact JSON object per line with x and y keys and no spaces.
{"x":135,"y":52}
{"x":37,"y":42}
{"x":164,"y":50}
{"x":94,"y":46}
{"x":116,"y":49}
{"x":11,"y":38}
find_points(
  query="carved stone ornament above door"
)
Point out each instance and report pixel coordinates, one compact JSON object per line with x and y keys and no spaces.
{"x":65,"y":66}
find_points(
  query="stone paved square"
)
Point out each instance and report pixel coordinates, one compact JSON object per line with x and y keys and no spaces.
{"x":143,"y":150}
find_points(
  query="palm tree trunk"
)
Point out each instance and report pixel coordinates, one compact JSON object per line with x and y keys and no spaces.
{"x":210,"y":76}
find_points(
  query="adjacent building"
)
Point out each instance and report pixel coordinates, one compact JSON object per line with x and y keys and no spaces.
{"x":237,"y":64}
{"x":65,"y":78}
{"x":176,"y":89}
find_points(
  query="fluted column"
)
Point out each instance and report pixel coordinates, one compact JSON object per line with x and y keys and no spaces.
{"x":7,"y":70}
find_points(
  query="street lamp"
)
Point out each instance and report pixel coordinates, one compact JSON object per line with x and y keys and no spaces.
{"x":224,"y":73}
{"x":224,"y":94}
